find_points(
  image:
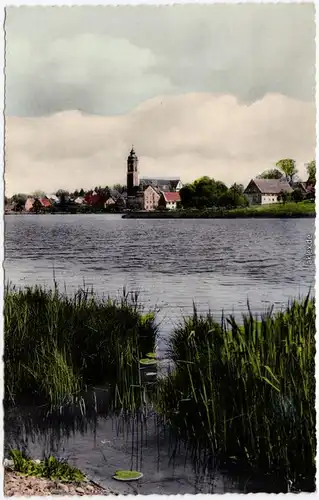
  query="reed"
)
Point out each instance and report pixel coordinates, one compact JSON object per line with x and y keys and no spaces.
{"x":56,"y":345}
{"x":243,"y":394}
{"x":246,"y":394}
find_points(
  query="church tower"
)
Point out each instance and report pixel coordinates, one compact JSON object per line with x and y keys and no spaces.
{"x":132,"y":173}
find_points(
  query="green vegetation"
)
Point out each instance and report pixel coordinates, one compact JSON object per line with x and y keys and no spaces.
{"x":290,"y":209}
{"x":206,"y":193}
{"x":127,"y":475}
{"x":272,"y":173}
{"x":49,"y":468}
{"x":242,"y":393}
{"x":56,"y":345}
{"x":151,"y":355}
{"x":147,"y":361}
{"x":311,"y":170}
{"x":288,"y":167}
{"x":246,"y":393}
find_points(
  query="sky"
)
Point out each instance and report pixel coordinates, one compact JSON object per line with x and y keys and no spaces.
{"x":218,"y":90}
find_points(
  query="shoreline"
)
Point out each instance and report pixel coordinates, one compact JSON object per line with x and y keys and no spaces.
{"x":178,"y":215}
{"x":16,"y":484}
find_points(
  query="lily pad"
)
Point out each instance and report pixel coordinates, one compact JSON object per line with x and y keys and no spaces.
{"x":146,"y":361}
{"x":127,"y":475}
{"x":151,"y":355}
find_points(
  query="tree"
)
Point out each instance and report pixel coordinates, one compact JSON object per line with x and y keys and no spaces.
{"x":297,"y":195}
{"x":19,"y":198}
{"x":238,"y":188}
{"x":311,"y":170}
{"x":38,"y":194}
{"x":273,"y":173}
{"x":288,"y":167}
{"x":233,"y":198}
{"x":120,"y":188}
{"x":62,"y":192}
{"x":37,"y":206}
{"x":283,"y":196}
{"x":63,"y":198}
{"x":202,"y":193}
{"x":81,"y":192}
{"x":19,"y":201}
{"x":187,"y":195}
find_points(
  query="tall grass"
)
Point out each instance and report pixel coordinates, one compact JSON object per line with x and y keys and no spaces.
{"x":246,"y":393}
{"x":55,"y":345}
{"x":239,"y":393}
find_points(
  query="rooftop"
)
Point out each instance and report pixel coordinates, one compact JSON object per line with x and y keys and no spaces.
{"x":272,"y":186}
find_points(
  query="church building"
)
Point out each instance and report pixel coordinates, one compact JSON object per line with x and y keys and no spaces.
{"x":145,"y":193}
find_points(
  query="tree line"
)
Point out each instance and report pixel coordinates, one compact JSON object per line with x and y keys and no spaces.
{"x":208,"y":193}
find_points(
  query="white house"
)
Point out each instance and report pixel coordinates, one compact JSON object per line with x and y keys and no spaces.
{"x":53,"y":198}
{"x":169,"y":200}
{"x":265,"y":191}
{"x":110,"y":201}
{"x":79,"y":200}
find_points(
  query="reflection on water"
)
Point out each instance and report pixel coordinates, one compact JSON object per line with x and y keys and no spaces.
{"x":99,"y":443}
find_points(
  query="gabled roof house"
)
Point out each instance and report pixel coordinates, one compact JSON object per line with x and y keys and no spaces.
{"x":266,"y":191}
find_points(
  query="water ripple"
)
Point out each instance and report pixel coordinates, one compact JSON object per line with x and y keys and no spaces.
{"x":216,"y":263}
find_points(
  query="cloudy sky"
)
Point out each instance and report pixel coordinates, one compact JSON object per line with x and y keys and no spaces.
{"x":218,"y":90}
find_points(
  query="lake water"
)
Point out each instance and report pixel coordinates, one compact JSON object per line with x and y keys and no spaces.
{"x":218,"y":264}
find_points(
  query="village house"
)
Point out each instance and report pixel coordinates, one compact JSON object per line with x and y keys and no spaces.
{"x":266,"y":191}
{"x":307,"y":188}
{"x":145,"y":194}
{"x":79,"y":200}
{"x":28,"y":204}
{"x":110,"y":201}
{"x":150,"y":198}
{"x":94,"y":199}
{"x":169,"y":200}
{"x":53,"y":197}
{"x":40,"y":203}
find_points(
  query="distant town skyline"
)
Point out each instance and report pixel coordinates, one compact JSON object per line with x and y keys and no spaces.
{"x":217,"y":90}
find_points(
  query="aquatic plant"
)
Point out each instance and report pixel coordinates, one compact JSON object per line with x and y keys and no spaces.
{"x":147,"y":361}
{"x":151,"y":355}
{"x":239,"y":393}
{"x":127,"y":475}
{"x":49,"y":468}
{"x":55,"y":345}
{"x":246,"y":393}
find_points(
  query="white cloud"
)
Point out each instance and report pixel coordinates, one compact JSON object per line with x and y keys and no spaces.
{"x":107,"y":60}
{"x":188,"y":135}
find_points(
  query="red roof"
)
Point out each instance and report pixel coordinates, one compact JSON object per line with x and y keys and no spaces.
{"x":45,"y":202}
{"x":171,"y":196}
{"x":93,"y":199}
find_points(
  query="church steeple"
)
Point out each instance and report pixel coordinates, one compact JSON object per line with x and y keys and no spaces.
{"x":132,"y":172}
